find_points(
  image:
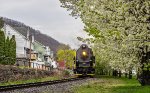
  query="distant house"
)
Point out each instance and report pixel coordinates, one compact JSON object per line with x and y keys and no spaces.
{"x":61,"y":65}
{"x":44,"y":54}
{"x":40,"y":54}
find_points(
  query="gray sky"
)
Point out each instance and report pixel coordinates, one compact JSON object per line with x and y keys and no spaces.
{"x":46,"y":16}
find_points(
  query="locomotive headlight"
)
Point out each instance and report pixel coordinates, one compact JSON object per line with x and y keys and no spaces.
{"x":84,"y":53}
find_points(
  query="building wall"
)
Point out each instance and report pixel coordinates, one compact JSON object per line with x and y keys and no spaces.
{"x":44,"y":53}
{"x":40,"y":49}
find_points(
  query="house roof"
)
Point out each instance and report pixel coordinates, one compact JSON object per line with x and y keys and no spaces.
{"x":15,"y":30}
{"x":22,"y":34}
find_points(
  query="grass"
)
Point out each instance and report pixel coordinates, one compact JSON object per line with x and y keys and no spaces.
{"x":112,"y":85}
{"x":29,"y":81}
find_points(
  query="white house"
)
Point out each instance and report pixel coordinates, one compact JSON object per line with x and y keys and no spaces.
{"x":22,"y":43}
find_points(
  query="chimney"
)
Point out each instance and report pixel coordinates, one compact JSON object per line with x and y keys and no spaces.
{"x":28,"y":33}
{"x":32,"y":38}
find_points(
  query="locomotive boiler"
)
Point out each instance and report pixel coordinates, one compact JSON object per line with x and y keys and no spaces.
{"x":84,"y":61}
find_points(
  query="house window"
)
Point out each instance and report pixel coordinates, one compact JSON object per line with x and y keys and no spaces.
{"x":46,"y":59}
{"x":8,"y":33}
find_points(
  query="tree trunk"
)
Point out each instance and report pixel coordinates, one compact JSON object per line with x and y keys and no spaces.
{"x":130,"y":74}
{"x":109,"y":72}
{"x":115,"y":73}
{"x":119,"y":73}
{"x":126,"y":74}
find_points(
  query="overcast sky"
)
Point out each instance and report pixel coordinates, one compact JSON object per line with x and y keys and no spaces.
{"x":46,"y":16}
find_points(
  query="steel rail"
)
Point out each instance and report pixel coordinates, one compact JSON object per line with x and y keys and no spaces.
{"x":28,"y":85}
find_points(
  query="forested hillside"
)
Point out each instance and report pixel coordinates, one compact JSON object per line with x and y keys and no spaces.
{"x":42,"y":38}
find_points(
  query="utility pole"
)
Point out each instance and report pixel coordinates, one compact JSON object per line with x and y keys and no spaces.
{"x":29,"y":36}
{"x":30,"y":53}
{"x":31,"y":39}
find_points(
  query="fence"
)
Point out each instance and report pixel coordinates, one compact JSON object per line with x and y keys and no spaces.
{"x":40,"y":66}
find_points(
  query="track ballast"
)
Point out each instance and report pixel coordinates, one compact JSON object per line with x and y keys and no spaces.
{"x":28,"y":85}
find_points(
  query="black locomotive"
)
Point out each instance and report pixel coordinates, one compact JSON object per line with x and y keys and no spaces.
{"x":84,"y":61}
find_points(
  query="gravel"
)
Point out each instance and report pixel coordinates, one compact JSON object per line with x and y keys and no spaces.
{"x":56,"y":88}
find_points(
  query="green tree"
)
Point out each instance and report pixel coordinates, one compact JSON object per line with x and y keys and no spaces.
{"x":7,"y":47}
{"x":2,"y":42}
{"x":2,"y":47}
{"x":66,"y":56}
{"x":1,"y":23}
{"x":13,"y":50}
{"x":7,"y":51}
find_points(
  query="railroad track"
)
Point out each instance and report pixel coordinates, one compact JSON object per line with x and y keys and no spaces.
{"x":28,"y":85}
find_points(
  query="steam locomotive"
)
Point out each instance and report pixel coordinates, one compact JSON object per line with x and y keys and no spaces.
{"x":84,"y":61}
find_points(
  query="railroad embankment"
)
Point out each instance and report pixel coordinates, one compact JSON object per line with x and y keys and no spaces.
{"x":12,"y":73}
